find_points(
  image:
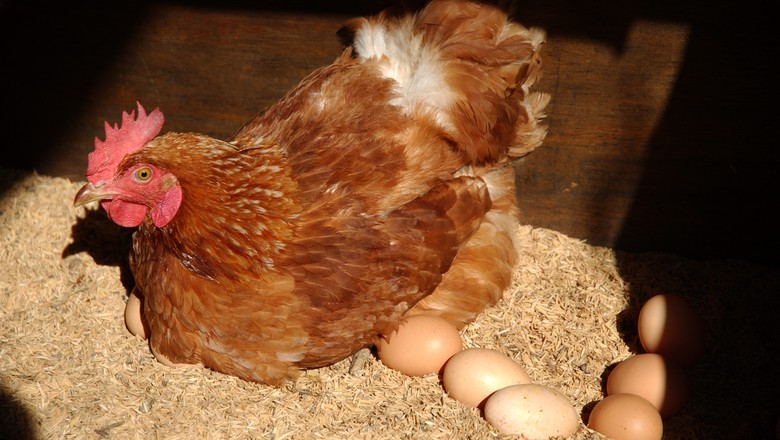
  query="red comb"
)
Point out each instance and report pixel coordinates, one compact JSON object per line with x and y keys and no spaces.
{"x":122,"y":140}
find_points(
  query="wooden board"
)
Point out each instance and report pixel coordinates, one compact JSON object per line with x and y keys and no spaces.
{"x":659,"y":124}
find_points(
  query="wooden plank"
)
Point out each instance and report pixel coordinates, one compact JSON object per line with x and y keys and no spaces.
{"x":658,"y":128}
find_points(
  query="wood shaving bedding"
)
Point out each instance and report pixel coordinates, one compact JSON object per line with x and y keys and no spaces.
{"x":70,"y":369}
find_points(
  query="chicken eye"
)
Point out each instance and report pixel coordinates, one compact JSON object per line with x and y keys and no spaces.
{"x":143,"y":174}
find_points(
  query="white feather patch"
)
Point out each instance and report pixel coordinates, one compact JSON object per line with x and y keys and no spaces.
{"x":401,"y":55}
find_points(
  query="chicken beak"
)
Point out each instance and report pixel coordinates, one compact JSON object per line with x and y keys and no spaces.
{"x":90,"y":193}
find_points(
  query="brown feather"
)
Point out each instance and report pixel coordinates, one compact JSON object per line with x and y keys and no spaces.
{"x":364,"y":194}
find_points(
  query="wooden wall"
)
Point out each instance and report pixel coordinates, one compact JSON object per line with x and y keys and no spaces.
{"x":661,"y":123}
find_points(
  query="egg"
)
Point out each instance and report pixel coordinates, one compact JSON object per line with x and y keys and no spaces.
{"x":649,"y":375}
{"x":626,"y":416}
{"x":421,"y":345}
{"x":669,"y":325}
{"x":133,"y":319}
{"x":471,"y":375}
{"x":532,"y":410}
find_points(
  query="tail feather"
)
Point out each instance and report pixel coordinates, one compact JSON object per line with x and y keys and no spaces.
{"x":469,"y":67}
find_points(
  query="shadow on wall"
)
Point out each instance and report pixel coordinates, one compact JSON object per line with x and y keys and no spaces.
{"x":53,"y":61}
{"x":705,"y":186}
{"x":56,"y":62}
{"x":709,"y":181}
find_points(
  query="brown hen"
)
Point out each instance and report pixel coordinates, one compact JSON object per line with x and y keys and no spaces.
{"x":381,"y":186}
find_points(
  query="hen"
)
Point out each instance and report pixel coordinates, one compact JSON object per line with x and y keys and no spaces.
{"x":381,"y":186}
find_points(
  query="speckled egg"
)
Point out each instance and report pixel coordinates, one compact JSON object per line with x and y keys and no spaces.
{"x":532,"y":410}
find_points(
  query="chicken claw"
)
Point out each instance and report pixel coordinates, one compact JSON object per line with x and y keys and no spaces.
{"x":359,"y":359}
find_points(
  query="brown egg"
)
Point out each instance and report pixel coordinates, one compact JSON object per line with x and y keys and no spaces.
{"x":669,"y":325}
{"x":133,"y":319}
{"x":532,"y":410}
{"x":626,"y":417}
{"x":649,"y":375}
{"x":420,"y":346}
{"x":471,"y":375}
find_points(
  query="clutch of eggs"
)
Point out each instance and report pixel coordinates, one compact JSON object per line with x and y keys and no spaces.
{"x":478,"y":377}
